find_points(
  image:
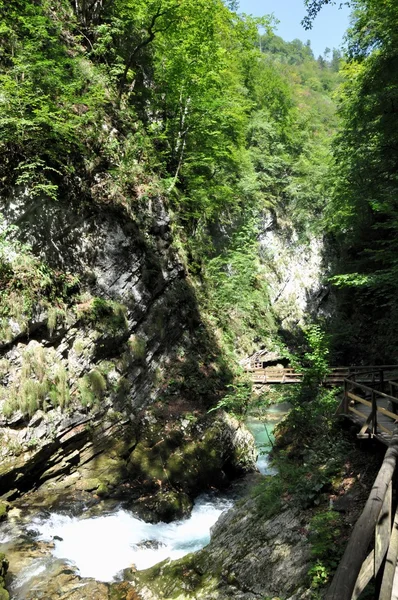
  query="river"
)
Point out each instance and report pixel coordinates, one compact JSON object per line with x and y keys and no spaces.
{"x":101,"y":546}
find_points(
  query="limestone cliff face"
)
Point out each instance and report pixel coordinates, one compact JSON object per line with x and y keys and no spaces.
{"x":92,"y":383}
{"x":295,"y":273}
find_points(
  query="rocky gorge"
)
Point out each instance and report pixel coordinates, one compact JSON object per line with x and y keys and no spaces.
{"x":162,"y":180}
{"x":248,"y":555}
{"x":105,"y":396}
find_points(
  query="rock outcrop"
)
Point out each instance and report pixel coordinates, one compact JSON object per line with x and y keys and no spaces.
{"x":106,"y":388}
{"x":249,"y":557}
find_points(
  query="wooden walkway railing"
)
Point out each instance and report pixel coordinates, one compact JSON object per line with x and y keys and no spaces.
{"x":369,"y":405}
{"x":336,"y":376}
{"x":358,"y":567}
{"x":372,"y":550}
{"x":370,"y":399}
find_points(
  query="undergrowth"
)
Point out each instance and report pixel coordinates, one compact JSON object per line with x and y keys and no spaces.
{"x":311,"y":458}
{"x":27,"y":285}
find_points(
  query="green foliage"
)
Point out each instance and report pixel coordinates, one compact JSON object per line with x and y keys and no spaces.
{"x":26,"y":283}
{"x":92,"y":388}
{"x":362,"y":216}
{"x":41,"y":382}
{"x":237,"y":399}
{"x":97,"y":383}
{"x":137,"y":347}
{"x":316,"y":358}
{"x":105,"y":315}
{"x":237,"y":290}
{"x":60,"y":391}
{"x":42,"y":85}
{"x":52,"y":319}
{"x":86,"y":394}
{"x":327,"y":546}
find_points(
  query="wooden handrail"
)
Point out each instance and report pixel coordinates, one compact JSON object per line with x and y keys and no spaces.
{"x":366,"y":388}
{"x":356,"y":568}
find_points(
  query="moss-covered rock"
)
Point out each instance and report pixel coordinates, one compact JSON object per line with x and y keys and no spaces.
{"x":4,"y":508}
{"x":167,"y":505}
{"x":177,"y":458}
{"x":3,"y":572}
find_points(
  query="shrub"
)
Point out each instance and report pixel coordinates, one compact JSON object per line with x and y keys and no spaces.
{"x":137,"y":346}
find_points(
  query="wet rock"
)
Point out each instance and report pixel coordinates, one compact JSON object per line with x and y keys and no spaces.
{"x":248,"y":558}
{"x":150,"y":544}
{"x":4,"y":508}
{"x":175,"y":459}
{"x":3,"y":572}
{"x":166,"y":506}
{"x":60,"y":581}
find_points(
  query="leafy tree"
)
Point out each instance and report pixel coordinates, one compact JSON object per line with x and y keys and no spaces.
{"x":363,"y":214}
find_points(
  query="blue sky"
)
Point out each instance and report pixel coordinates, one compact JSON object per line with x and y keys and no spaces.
{"x":327,"y":31}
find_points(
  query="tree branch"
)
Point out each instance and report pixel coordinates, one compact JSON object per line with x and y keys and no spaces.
{"x":145,"y":42}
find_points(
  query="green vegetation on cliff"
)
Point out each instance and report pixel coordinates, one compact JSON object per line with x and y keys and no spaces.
{"x":362,"y":215}
{"x":127,"y":101}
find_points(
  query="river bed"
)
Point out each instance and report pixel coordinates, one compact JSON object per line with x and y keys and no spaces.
{"x":101,"y":546}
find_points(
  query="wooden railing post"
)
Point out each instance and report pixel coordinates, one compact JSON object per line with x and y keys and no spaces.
{"x":391,"y":561}
{"x":382,"y":381}
{"x":383,"y":530}
{"x":346,"y":399}
{"x":374,"y":413}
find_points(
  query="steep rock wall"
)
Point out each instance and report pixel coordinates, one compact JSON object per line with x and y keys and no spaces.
{"x":295,"y":270}
{"x":126,"y":354}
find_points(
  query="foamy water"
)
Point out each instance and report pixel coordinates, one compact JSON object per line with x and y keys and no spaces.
{"x":100,"y":547}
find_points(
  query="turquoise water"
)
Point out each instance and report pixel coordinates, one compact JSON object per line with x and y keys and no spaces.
{"x":262,"y":429}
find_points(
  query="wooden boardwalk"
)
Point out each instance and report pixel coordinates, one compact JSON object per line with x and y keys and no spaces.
{"x":370,"y":400}
{"x":336,"y":375}
{"x":372,"y":405}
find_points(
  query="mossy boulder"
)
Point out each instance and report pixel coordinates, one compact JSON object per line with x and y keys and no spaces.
{"x":3,"y":571}
{"x":4,"y":508}
{"x":182,"y":457}
{"x":169,"y":505}
{"x":179,"y":579}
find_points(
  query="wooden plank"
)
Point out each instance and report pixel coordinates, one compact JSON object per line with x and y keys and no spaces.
{"x":359,"y":399}
{"x":365,"y":426}
{"x":357,"y":412}
{"x":380,"y":409}
{"x":383,"y":529}
{"x":391,"y":563}
{"x":370,"y":390}
{"x":365,"y":575}
{"x":374,"y":413}
{"x":385,"y":429}
{"x":344,"y":403}
{"x":343,"y":584}
{"x":387,"y":413}
{"x":368,"y":419}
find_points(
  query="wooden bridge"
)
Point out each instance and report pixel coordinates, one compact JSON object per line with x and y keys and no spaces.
{"x":336,"y":375}
{"x":370,"y":399}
